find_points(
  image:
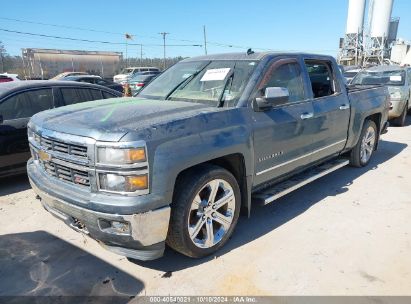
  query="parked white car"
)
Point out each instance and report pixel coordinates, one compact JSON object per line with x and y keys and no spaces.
{"x":127,"y":73}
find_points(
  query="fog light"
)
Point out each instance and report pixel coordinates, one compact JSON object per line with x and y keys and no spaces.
{"x":121,"y":227}
{"x":115,"y":227}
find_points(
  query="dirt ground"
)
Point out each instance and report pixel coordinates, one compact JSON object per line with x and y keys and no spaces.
{"x":348,"y":233}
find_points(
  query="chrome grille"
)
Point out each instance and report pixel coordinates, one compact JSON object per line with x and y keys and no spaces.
{"x":67,"y":174}
{"x":58,"y":146}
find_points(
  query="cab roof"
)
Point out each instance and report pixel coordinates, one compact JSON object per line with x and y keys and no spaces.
{"x":253,"y":56}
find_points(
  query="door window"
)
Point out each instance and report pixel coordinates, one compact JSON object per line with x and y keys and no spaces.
{"x":321,"y":78}
{"x":26,"y":104}
{"x":96,"y":94}
{"x":287,"y":76}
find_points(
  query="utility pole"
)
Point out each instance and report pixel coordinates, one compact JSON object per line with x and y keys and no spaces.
{"x":205,"y":39}
{"x":141,"y":55}
{"x":164,"y":47}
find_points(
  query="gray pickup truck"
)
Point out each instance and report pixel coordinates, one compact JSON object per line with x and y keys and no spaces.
{"x":204,"y":140}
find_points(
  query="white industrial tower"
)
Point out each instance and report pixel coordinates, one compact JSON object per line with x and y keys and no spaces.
{"x":352,"y":46}
{"x":370,"y":43}
{"x":376,"y":42}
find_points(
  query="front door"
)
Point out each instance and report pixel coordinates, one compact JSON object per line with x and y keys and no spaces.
{"x":282,"y":134}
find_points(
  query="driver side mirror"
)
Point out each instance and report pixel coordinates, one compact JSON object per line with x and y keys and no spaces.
{"x":273,"y":96}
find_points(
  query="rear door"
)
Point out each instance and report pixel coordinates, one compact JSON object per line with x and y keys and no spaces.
{"x":282,"y":134}
{"x":16,"y":111}
{"x":331,"y":109}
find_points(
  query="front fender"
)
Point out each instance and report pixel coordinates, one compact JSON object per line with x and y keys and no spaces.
{"x":175,"y":156}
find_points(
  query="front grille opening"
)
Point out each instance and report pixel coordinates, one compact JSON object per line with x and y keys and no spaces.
{"x":67,"y":174}
{"x":71,"y":149}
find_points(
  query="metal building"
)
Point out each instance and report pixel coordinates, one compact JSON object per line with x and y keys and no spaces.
{"x":47,"y":63}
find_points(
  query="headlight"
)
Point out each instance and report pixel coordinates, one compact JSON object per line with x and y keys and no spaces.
{"x":30,"y":133}
{"x":33,"y":136}
{"x":395,"y":95}
{"x":117,"y":156}
{"x":123,"y":183}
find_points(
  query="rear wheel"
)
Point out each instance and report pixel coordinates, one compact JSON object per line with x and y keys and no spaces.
{"x":361,"y":154}
{"x":400,"y":121}
{"x":205,"y":210}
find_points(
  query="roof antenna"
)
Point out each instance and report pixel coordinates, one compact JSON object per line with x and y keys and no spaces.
{"x":250,"y":51}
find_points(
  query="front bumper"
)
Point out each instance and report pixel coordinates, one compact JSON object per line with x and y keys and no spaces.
{"x":144,"y":238}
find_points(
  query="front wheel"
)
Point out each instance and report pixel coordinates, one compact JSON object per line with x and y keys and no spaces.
{"x":204,"y":212}
{"x":361,"y":154}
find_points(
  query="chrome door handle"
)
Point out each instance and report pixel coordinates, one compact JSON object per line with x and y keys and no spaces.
{"x":307,"y":115}
{"x":344,"y":107}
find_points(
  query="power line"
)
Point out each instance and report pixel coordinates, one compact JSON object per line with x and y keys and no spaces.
{"x":143,"y":36}
{"x":91,"y":41}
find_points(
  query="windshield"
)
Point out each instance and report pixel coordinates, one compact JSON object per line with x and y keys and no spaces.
{"x":350,"y":74}
{"x":391,"y":78}
{"x":210,"y":82}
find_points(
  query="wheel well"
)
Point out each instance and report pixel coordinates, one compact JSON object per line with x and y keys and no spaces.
{"x":235,"y":164}
{"x":376,"y":118}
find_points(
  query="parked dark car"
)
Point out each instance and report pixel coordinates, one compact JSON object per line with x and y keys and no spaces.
{"x":96,"y":80}
{"x":139,"y":81}
{"x":19,"y":100}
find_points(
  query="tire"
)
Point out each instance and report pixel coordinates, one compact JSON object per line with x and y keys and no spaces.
{"x":365,"y":144}
{"x":193,"y":213}
{"x":400,"y":121}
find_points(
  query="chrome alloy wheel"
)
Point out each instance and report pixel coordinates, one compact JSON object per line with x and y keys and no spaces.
{"x":367,"y":145}
{"x":211,"y":213}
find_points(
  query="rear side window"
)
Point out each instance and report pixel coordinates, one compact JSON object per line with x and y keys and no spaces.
{"x":287,"y":76}
{"x":75,"y":95}
{"x":321,"y":77}
{"x":108,"y":95}
{"x":26,"y":104}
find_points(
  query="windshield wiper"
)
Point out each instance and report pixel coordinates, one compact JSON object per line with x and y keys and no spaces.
{"x":183,"y":83}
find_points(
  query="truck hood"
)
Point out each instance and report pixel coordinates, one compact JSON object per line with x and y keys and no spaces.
{"x":111,"y":119}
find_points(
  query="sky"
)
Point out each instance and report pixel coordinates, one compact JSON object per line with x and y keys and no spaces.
{"x":288,"y":25}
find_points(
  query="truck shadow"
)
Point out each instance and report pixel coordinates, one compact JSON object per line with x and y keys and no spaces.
{"x":266,"y":218}
{"x":40,"y":264}
{"x":13,"y":184}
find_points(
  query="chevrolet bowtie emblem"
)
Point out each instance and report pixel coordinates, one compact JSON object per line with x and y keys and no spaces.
{"x":44,"y":156}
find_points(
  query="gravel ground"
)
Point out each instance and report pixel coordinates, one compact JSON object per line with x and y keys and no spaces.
{"x":348,"y":233}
